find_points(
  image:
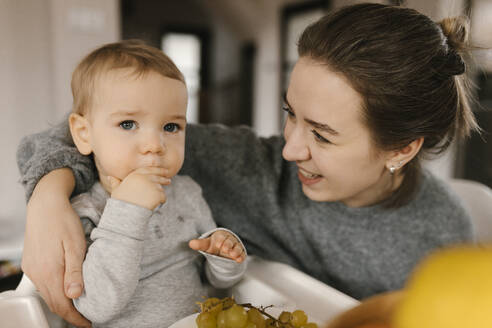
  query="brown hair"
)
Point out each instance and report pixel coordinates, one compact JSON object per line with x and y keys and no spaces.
{"x":125,"y":54}
{"x":409,"y":72}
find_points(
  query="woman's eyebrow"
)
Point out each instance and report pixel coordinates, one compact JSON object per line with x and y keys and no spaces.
{"x":321,"y":126}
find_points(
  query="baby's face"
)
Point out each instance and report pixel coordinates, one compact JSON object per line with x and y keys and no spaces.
{"x":137,"y":121}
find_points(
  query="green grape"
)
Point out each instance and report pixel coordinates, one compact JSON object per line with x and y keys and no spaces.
{"x":310,"y":325}
{"x":284,"y":317}
{"x":249,"y":324}
{"x":221,"y":319}
{"x":269,"y":323}
{"x":255,"y":316}
{"x":298,"y":318}
{"x":206,"y":320}
{"x":236,"y":317}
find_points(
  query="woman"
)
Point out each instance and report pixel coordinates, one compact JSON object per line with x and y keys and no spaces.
{"x":340,"y":196}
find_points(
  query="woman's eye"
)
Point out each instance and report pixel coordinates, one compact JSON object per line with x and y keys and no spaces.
{"x":319,"y":137}
{"x":290,"y":113}
{"x":171,"y":127}
{"x":128,"y":125}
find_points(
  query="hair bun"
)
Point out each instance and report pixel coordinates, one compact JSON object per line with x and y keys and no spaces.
{"x":455,"y":32}
{"x":455,"y":64}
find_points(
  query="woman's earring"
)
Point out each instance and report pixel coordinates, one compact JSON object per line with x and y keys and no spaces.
{"x":392,"y":169}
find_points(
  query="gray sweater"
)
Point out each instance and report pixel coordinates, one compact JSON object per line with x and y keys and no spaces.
{"x":139,"y":270}
{"x":254,"y":192}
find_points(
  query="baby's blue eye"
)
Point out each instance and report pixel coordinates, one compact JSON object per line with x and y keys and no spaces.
{"x":128,"y":125}
{"x":171,"y":127}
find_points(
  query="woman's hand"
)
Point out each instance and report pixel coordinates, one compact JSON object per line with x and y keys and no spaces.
{"x":374,"y":312}
{"x":54,"y":245}
{"x":220,"y":243}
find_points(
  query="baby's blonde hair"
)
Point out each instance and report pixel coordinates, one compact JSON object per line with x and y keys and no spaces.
{"x":133,"y":54}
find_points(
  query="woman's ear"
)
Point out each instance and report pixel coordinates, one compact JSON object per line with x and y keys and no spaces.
{"x":81,"y":135}
{"x":401,"y":157}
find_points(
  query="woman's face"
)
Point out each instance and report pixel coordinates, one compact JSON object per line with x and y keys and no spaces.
{"x":326,"y":137}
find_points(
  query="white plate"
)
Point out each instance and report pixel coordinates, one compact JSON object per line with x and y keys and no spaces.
{"x":286,"y":289}
{"x":187,"y":322}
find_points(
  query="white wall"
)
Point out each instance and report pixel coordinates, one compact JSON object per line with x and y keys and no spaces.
{"x":77,"y":27}
{"x":25,"y":94}
{"x":41,"y":42}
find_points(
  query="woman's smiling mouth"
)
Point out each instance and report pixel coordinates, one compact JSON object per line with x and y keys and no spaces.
{"x":308,"y":178}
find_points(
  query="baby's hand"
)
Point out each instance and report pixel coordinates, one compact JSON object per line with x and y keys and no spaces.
{"x":220,"y":243}
{"x":142,"y":187}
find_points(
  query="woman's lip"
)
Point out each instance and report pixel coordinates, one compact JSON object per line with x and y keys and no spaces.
{"x":307,"y":180}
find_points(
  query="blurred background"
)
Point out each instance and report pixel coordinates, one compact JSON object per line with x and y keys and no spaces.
{"x":236,"y":56}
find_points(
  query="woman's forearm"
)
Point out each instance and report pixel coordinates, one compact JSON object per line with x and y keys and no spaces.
{"x":57,"y":183}
{"x":54,"y":245}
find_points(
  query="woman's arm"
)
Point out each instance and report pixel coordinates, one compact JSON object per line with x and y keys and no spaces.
{"x":54,"y":245}
{"x":376,"y":311}
{"x":40,"y":153}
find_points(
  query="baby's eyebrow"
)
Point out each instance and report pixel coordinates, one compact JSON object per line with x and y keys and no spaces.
{"x":179,"y":117}
{"x":125,"y":113}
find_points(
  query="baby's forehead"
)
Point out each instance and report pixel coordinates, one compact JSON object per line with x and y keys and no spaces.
{"x":125,"y":73}
{"x":130,"y":90}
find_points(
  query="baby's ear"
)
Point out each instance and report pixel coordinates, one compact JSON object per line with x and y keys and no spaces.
{"x":81,"y":134}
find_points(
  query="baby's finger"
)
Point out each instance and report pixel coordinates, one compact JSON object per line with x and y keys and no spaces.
{"x":217,"y":240}
{"x":160,"y":180}
{"x":237,"y":253}
{"x":199,"y":244}
{"x":226,"y":248}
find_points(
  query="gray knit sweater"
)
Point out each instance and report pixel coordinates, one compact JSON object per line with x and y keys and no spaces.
{"x":254,"y":192}
{"x":139,"y":270}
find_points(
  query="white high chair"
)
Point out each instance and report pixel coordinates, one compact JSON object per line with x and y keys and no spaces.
{"x":265,"y":283}
{"x":477,"y":199}
{"x":24,"y":308}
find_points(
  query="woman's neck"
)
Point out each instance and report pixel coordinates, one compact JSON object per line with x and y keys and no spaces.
{"x":377,"y":193}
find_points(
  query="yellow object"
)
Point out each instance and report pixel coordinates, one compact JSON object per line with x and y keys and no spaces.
{"x":452,"y":288}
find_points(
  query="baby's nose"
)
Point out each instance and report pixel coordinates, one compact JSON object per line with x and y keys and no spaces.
{"x":152,"y":143}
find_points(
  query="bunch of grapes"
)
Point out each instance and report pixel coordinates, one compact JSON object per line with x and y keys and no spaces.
{"x":226,"y":313}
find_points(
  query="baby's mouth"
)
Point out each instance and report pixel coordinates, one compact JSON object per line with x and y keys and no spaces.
{"x":152,"y":163}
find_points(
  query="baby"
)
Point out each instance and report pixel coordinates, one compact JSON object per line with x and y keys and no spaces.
{"x":129,"y":112}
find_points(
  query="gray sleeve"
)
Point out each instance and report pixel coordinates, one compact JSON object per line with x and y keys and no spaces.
{"x":111,"y":269}
{"x":222,"y":272}
{"x":40,"y":153}
{"x":223,"y":159}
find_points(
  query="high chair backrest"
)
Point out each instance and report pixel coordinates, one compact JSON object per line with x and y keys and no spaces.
{"x":22,"y":307}
{"x":477,"y":198}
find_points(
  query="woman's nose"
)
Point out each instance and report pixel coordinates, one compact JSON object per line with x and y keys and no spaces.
{"x":152,"y":142}
{"x":296,"y":147}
